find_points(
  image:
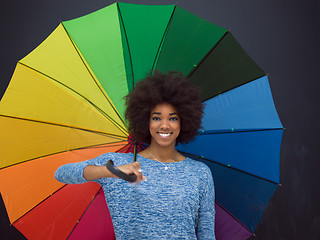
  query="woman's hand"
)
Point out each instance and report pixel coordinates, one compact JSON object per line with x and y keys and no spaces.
{"x":133,"y":168}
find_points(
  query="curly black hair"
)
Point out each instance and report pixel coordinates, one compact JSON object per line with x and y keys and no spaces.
{"x":159,"y":88}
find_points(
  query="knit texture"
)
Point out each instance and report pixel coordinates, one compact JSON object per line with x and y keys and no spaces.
{"x":177,"y":203}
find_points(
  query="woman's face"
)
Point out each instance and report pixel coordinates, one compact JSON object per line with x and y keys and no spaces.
{"x":164,"y":125}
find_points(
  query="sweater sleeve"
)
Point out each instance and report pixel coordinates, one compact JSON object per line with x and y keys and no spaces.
{"x":72,"y":173}
{"x":205,"y":226}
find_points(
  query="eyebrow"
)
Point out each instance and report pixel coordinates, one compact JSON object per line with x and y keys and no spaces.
{"x":159,"y":113}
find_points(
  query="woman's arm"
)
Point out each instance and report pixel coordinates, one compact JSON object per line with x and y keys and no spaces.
{"x":205,"y":226}
{"x":90,"y":170}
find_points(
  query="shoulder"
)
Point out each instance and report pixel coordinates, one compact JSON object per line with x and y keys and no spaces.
{"x":200,"y":169}
{"x":196,"y":165}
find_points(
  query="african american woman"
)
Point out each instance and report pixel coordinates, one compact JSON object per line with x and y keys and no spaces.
{"x":173,"y":197}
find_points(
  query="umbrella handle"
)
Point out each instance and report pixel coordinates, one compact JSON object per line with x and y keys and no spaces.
{"x":130,"y":178}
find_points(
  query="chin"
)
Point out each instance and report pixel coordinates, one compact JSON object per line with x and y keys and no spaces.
{"x":163,"y":143}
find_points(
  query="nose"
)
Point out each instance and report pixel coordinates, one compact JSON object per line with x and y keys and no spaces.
{"x":164,"y":124}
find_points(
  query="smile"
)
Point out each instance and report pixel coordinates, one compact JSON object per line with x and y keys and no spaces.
{"x":164,"y":134}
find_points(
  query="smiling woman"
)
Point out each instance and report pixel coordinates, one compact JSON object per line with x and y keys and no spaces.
{"x":169,"y":88}
{"x":173,"y":197}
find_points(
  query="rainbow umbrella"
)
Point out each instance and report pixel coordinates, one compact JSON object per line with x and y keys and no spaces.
{"x":65,"y":104}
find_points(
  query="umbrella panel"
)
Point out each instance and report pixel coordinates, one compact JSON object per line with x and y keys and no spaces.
{"x":60,"y":211}
{"x":96,"y":223}
{"x":228,"y":227}
{"x":98,"y":38}
{"x":59,"y":60}
{"x":144,"y":41}
{"x":243,"y":195}
{"x":32,"y":139}
{"x":250,"y":141}
{"x":255,"y":152}
{"x":248,"y":107}
{"x":240,"y":143}
{"x":187,"y":40}
{"x":7,"y":230}
{"x":59,"y":105}
{"x":225,"y":67}
{"x":36,"y":181}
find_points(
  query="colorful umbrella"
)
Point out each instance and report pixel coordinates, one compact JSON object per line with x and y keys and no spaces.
{"x":65,"y":104}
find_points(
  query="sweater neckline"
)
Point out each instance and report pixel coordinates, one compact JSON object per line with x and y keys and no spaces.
{"x":153,"y":161}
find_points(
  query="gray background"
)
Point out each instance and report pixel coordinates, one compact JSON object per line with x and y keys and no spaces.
{"x":282,"y":36}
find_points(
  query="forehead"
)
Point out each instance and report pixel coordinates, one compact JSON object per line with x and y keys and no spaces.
{"x":163,"y":108}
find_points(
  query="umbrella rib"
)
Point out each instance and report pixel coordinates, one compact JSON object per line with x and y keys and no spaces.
{"x":93,"y":78}
{"x":38,"y":204}
{"x":233,"y":88}
{"x":238,"y":131}
{"x":236,"y":219}
{"x":97,"y":146}
{"x":126,"y":37}
{"x":67,"y":150}
{"x":233,"y":168}
{"x":95,"y":106}
{"x":102,"y":145}
{"x":105,"y":146}
{"x":84,"y":213}
{"x":67,"y":126}
{"x":126,"y":146}
{"x":206,"y":56}
{"x":161,"y":43}
{"x":208,"y":53}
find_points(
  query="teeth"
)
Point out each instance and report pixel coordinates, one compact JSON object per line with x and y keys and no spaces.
{"x":164,"y":134}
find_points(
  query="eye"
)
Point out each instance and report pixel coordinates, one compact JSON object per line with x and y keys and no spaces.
{"x":173,"y":119}
{"x":156,"y":119}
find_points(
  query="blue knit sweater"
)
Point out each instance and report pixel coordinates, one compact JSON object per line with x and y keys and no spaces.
{"x":177,"y":203}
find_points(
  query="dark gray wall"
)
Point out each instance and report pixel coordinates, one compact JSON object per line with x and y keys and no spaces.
{"x":281,"y":36}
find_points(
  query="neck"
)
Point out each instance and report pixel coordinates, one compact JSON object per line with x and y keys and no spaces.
{"x":163,"y":154}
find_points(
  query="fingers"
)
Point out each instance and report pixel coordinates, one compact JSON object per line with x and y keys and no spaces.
{"x":133,"y":168}
{"x":138,"y":172}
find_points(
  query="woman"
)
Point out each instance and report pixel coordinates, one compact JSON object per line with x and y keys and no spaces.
{"x":173,"y":197}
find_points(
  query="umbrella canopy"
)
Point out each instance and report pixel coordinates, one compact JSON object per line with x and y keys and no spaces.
{"x":65,"y":104}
